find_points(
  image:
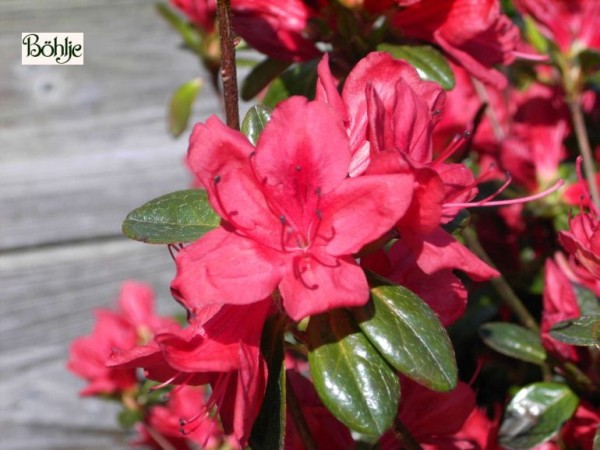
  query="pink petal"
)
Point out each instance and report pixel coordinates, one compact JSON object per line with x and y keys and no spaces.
{"x":223,"y":267}
{"x":439,"y":250}
{"x":310,"y":287}
{"x":327,"y":91}
{"x":363,"y":209}
{"x":219,"y":153}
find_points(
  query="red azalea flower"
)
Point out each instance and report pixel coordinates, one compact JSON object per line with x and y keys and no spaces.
{"x":473,"y":32}
{"x":560,"y":303}
{"x":567,"y":22}
{"x":580,"y":430}
{"x":433,"y":418}
{"x":220,"y":347}
{"x":275,"y":28}
{"x":384,"y":105}
{"x":291,"y":217}
{"x":201,"y":12}
{"x":133,"y":322}
{"x":162,"y":423}
{"x":582,"y":241}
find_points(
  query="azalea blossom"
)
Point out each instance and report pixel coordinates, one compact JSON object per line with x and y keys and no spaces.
{"x":220,"y":347}
{"x":292,"y":219}
{"x":133,"y":322}
{"x":473,"y":33}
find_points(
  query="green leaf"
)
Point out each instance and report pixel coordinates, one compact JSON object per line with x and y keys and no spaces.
{"x":514,"y":341}
{"x":430,"y":63}
{"x":127,"y":418}
{"x":254,"y":121}
{"x":350,"y":376}
{"x":299,"y":79}
{"x":534,"y":35}
{"x":409,"y":336}
{"x":188,"y":32}
{"x":181,"y":216}
{"x":536,"y":414}
{"x":262,"y":74}
{"x":588,"y":302}
{"x":180,"y":106}
{"x":583,"y":331}
{"x":268,"y":431}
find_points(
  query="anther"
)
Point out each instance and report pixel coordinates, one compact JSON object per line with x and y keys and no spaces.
{"x":298,"y":168}
{"x":217,"y":179}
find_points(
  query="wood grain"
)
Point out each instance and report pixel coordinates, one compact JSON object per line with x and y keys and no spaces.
{"x":80,"y":146}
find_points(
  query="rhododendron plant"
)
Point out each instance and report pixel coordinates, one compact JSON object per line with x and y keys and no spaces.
{"x":378,"y":258}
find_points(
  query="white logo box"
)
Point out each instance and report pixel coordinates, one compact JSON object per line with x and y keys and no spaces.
{"x":52,"y":49}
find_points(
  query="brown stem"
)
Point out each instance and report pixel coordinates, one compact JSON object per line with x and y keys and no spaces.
{"x":228,"y":69}
{"x":298,"y":418}
{"x":404,"y":436}
{"x":584,"y":148}
{"x":500,"y":284}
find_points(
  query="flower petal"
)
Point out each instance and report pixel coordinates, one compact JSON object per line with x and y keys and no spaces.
{"x":310,"y":287}
{"x":223,"y":267}
{"x":362,"y":209}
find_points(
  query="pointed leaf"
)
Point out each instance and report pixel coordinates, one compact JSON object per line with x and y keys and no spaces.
{"x":409,"y":336}
{"x":181,"y":216}
{"x":268,"y":432}
{"x":352,"y":379}
{"x":180,"y":107}
{"x":583,"y":331}
{"x":429,"y":62}
{"x":261,"y":75}
{"x":536,"y":414}
{"x":514,"y":341}
{"x":254,"y":121}
{"x":588,"y":302}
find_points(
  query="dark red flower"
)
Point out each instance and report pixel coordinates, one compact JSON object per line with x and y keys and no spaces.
{"x":472,"y":32}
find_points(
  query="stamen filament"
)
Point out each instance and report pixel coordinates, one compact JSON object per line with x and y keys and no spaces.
{"x":529,"y":198}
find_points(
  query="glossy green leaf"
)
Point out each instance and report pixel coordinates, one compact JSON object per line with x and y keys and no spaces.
{"x":514,"y":341}
{"x":536,"y":414}
{"x":254,"y":121}
{"x":409,"y":335}
{"x":188,"y":32}
{"x":429,"y":62}
{"x":268,"y":431}
{"x":299,"y":79}
{"x":583,"y":331}
{"x":180,"y":106}
{"x":350,"y":376}
{"x":261,"y":75}
{"x":181,"y":216}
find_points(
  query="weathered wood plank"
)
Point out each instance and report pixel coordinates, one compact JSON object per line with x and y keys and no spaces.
{"x":83,"y":145}
{"x":47,"y":300}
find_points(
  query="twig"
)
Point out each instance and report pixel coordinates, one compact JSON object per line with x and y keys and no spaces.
{"x":298,"y":418}
{"x":500,"y":284}
{"x":404,"y":436}
{"x":228,"y":69}
{"x":584,"y":149}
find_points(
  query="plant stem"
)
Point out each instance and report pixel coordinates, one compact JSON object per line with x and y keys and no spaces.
{"x":404,"y":436}
{"x":584,"y":148}
{"x":500,"y":284}
{"x":298,"y":418}
{"x":228,"y":69}
{"x":481,"y":92}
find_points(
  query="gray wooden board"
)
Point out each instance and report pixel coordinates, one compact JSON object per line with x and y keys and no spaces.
{"x":80,"y":146}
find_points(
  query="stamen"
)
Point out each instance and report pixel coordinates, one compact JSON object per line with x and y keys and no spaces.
{"x":226,"y":215}
{"x":529,"y":198}
{"x":457,"y":142}
{"x":172,"y":248}
{"x":298,"y":272}
{"x":166,"y":383}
